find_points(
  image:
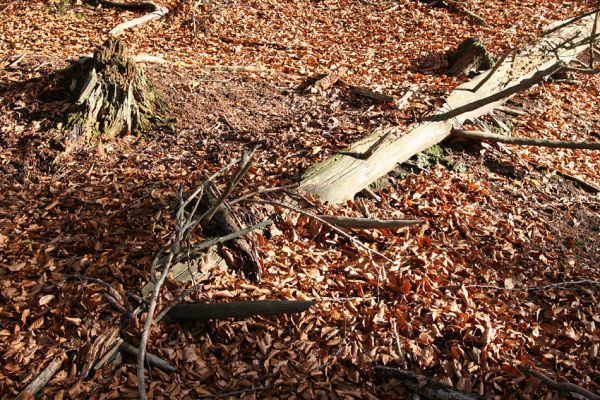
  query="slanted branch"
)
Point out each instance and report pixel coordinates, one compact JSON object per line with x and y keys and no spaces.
{"x":493,"y":137}
{"x":112,"y":95}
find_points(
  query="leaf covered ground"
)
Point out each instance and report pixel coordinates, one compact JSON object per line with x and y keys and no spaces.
{"x":463,"y":298}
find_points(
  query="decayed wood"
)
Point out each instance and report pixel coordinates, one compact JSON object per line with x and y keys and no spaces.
{"x":340,"y":177}
{"x":204,"y":312}
{"x":368,"y":223}
{"x":150,"y":358}
{"x":244,"y":247}
{"x":470,"y":56}
{"x":156,"y":11}
{"x":493,"y":137}
{"x":565,"y":387}
{"x":424,"y":386}
{"x":92,"y":353}
{"x":112,"y":95}
{"x":41,"y":380}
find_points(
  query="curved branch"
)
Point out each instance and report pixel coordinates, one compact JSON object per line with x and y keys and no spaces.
{"x":155,"y":11}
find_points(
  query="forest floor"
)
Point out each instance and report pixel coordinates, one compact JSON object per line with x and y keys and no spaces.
{"x":467,"y":291}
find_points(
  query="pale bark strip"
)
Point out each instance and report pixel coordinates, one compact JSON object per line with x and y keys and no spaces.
{"x":339,"y":178}
{"x":493,"y":137}
{"x":156,"y":11}
{"x":41,"y":380}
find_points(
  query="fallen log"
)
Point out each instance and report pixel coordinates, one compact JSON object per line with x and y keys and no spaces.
{"x":424,"y":386}
{"x":205,"y":312}
{"x":493,"y":137}
{"x":342,"y":176}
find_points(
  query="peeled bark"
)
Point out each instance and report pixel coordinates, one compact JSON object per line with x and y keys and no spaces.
{"x":112,"y":95}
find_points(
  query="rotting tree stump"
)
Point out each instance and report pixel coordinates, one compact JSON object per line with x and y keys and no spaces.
{"x":112,"y":95}
{"x":471,"y":56}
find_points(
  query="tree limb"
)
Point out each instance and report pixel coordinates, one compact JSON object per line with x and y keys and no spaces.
{"x":565,"y":387}
{"x":557,"y":144}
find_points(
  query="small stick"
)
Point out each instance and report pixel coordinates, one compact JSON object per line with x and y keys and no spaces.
{"x":261,"y":191}
{"x":351,"y":238}
{"x":243,"y":167}
{"x":565,"y":387}
{"x":150,"y":358}
{"x":237,"y":392}
{"x":41,"y":380}
{"x":511,"y":111}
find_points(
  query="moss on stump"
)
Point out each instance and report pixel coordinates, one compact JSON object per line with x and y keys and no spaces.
{"x":471,"y":56}
{"x":112,"y":95}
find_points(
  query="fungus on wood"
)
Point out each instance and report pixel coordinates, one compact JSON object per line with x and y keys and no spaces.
{"x":470,"y":57}
{"x":112,"y":95}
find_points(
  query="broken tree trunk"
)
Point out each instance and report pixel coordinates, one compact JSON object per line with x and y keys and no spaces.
{"x":112,"y":95}
{"x":471,"y":56}
{"x":342,"y":176}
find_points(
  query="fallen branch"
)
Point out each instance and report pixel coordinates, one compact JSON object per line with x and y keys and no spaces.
{"x":368,"y":223}
{"x":370,"y":94}
{"x":236,"y":68}
{"x":511,"y":111}
{"x":558,"y":144}
{"x":150,"y":358}
{"x":234,"y":393}
{"x":558,"y":285}
{"x":565,"y":387}
{"x":204,"y":312}
{"x":456,"y":5}
{"x":156,"y":11}
{"x":178,"y":245}
{"x":40,"y":381}
{"x":424,"y":386}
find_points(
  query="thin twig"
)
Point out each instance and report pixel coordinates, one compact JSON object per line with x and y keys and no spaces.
{"x":352,"y":239}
